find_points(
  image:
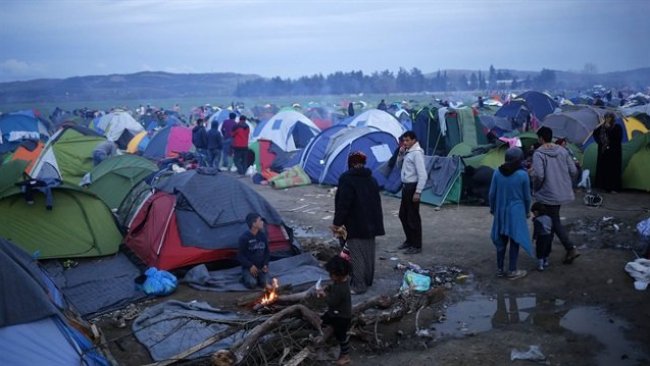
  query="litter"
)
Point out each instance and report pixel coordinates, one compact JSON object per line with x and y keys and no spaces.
{"x":532,"y":354}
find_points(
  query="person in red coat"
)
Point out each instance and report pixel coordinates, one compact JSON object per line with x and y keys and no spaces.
{"x":240,"y":134}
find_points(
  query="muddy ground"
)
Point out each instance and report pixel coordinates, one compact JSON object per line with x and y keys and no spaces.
{"x":587,"y":313}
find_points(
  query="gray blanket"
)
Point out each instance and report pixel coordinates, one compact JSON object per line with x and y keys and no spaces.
{"x":172,"y":327}
{"x":296,"y":270}
{"x":98,"y":285}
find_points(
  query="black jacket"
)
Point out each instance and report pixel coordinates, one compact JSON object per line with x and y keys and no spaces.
{"x":214,"y":138}
{"x":199,"y":137}
{"x":357,"y":205}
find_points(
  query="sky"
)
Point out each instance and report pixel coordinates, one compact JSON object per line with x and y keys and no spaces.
{"x":291,"y":38}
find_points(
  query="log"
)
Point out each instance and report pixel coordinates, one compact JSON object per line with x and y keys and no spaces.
{"x":215,"y":338}
{"x":271,"y":323}
{"x":299,"y":357}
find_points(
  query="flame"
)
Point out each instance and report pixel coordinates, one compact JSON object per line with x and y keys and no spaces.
{"x":271,"y":293}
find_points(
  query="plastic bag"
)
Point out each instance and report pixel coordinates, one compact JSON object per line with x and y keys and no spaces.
{"x":643,"y":228}
{"x":159,"y":282}
{"x":639,"y":269}
{"x":415,"y":281}
{"x":532,"y":354}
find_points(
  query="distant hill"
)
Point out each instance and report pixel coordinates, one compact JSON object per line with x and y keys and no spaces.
{"x":142,"y":85}
{"x":162,"y":85}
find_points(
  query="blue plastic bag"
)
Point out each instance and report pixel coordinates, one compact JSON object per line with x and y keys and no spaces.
{"x":415,"y":281}
{"x":158,"y":282}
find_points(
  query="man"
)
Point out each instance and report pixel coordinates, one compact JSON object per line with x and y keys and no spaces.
{"x":357,"y":206}
{"x":226,"y":132}
{"x":200,"y":140}
{"x":240,"y":135}
{"x":254,"y":253}
{"x":103,"y":150}
{"x":553,"y":172}
{"x":414,"y":177}
{"x":214,"y":145}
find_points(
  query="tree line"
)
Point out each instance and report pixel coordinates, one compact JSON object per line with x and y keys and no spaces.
{"x":384,"y":82}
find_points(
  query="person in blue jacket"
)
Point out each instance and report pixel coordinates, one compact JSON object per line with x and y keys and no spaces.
{"x":254,"y":253}
{"x":510,"y":205}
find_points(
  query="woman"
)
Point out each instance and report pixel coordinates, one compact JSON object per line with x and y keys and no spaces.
{"x":608,"y":135}
{"x":510,"y":206}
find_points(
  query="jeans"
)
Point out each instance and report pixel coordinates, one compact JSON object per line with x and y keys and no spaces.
{"x":98,"y":157}
{"x":251,"y":282}
{"x":241,"y":159}
{"x":554,"y":212}
{"x":202,"y":156}
{"x":227,"y":151}
{"x":214,"y":155}
{"x":501,"y":253}
{"x":409,"y":215}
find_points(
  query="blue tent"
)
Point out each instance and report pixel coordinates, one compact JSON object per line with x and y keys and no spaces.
{"x":18,"y":127}
{"x":326,"y":156}
{"x":36,"y":324}
{"x":519,"y":109}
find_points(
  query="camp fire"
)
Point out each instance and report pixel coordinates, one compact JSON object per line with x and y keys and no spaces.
{"x":270,"y":293}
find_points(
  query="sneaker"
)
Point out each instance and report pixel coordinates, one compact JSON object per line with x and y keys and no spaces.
{"x":223,"y":169}
{"x":413,"y":250}
{"x":517,"y":274}
{"x":571,"y":255}
{"x":546,"y":263}
{"x":233,"y":169}
{"x":501,"y":273}
{"x":540,"y":265}
{"x":404,"y":245}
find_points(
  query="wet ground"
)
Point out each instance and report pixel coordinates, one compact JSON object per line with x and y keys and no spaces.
{"x":587,"y":313}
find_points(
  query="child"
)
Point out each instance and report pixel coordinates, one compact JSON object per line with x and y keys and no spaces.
{"x":542,"y":234}
{"x":339,"y":304}
{"x":254,"y":253}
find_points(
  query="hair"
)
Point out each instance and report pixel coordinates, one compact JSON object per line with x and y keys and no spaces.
{"x":539,"y":208}
{"x":356,"y":159}
{"x":609,"y":115}
{"x":410,"y":134}
{"x":338,"y":266}
{"x":232,"y":115}
{"x":251,"y":218}
{"x":242,"y":118}
{"x":545,"y":133}
{"x":200,"y":121}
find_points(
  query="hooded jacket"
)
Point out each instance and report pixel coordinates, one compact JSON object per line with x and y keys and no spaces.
{"x":240,"y":135}
{"x":214,"y":137}
{"x":199,"y":137}
{"x":357,"y":204}
{"x":413,"y":167}
{"x":553,"y":174}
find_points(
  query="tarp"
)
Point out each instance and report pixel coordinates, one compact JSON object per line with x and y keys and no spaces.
{"x":296,"y":270}
{"x":97,"y":286}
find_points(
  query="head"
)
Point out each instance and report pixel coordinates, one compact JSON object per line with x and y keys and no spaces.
{"x":242,"y":119}
{"x":356,"y":159}
{"x":254,"y":221}
{"x":609,"y":119}
{"x":562,"y":142}
{"x":544,"y":135}
{"x":232,"y":116}
{"x":200,"y":122}
{"x":409,"y":138}
{"x":537,"y":209}
{"x":338,"y":268}
{"x":514,"y":155}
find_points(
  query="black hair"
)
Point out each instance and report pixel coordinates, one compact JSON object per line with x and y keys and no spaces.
{"x":545,"y":133}
{"x":242,"y":118}
{"x":232,"y":115}
{"x":338,"y":266}
{"x":410,"y":134}
{"x":539,"y":208}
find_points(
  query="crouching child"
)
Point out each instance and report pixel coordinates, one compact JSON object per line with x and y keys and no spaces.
{"x":339,"y":305}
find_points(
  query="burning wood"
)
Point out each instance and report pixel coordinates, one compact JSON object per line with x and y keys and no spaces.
{"x":270,"y":293}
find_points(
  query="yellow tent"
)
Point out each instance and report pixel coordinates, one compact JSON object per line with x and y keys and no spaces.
{"x":132,"y":147}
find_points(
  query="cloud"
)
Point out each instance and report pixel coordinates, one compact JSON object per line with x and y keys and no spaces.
{"x":13,"y":69}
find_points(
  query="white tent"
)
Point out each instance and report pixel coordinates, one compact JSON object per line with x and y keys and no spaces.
{"x":379,"y":120}
{"x":115,"y":123}
{"x":289,"y":130}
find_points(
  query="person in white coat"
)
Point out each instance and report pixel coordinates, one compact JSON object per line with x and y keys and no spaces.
{"x":414,"y":177}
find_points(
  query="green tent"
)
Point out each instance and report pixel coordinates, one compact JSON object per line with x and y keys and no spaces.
{"x":443,"y":185}
{"x":636,"y":162}
{"x":488,"y":155}
{"x":68,"y":155}
{"x":114,"y":177}
{"x":78,"y":225}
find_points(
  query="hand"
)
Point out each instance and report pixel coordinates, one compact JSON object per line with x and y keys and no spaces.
{"x":416,"y":197}
{"x":253,"y":270}
{"x":335,"y":228}
{"x":265,"y":269}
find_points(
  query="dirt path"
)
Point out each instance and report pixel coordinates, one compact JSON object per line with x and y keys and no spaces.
{"x":587,"y":313}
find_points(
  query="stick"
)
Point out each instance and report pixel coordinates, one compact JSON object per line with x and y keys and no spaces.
{"x":299,"y":357}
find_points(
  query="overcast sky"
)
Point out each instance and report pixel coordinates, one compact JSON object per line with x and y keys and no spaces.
{"x":63,"y":38}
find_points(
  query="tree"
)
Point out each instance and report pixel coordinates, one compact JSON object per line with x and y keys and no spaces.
{"x":481,"y":81}
{"x":473,"y":81}
{"x":590,"y":68}
{"x":492,"y":77}
{"x":545,"y":79}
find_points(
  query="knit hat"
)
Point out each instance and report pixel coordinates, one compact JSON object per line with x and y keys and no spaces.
{"x":356,"y":158}
{"x":514,"y":154}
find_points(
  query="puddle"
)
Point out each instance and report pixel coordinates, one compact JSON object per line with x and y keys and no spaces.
{"x":479,"y":313}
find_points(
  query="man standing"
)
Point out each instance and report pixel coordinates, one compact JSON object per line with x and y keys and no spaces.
{"x":553,"y":172}
{"x":200,"y":140}
{"x":414,"y":177}
{"x":240,"y":135}
{"x":226,"y":132}
{"x":357,"y":206}
{"x":214,"y":145}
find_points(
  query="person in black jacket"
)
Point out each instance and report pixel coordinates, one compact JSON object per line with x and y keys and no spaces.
{"x":609,"y":164}
{"x":214,"y":145}
{"x":357,"y":206}
{"x":200,"y":140}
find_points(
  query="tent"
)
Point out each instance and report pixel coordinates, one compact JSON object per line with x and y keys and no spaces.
{"x":18,"y":127}
{"x":68,"y":155}
{"x":195,"y":217}
{"x":118,"y":126}
{"x":636,"y":162}
{"x":168,"y":142}
{"x":37,"y":325}
{"x":379,"y":120}
{"x":138,"y":143}
{"x":526,"y":105}
{"x":288,"y":129}
{"x":326,"y":157}
{"x":78,"y":224}
{"x":114,"y":177}
{"x":574,"y":124}
{"x":28,"y":151}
